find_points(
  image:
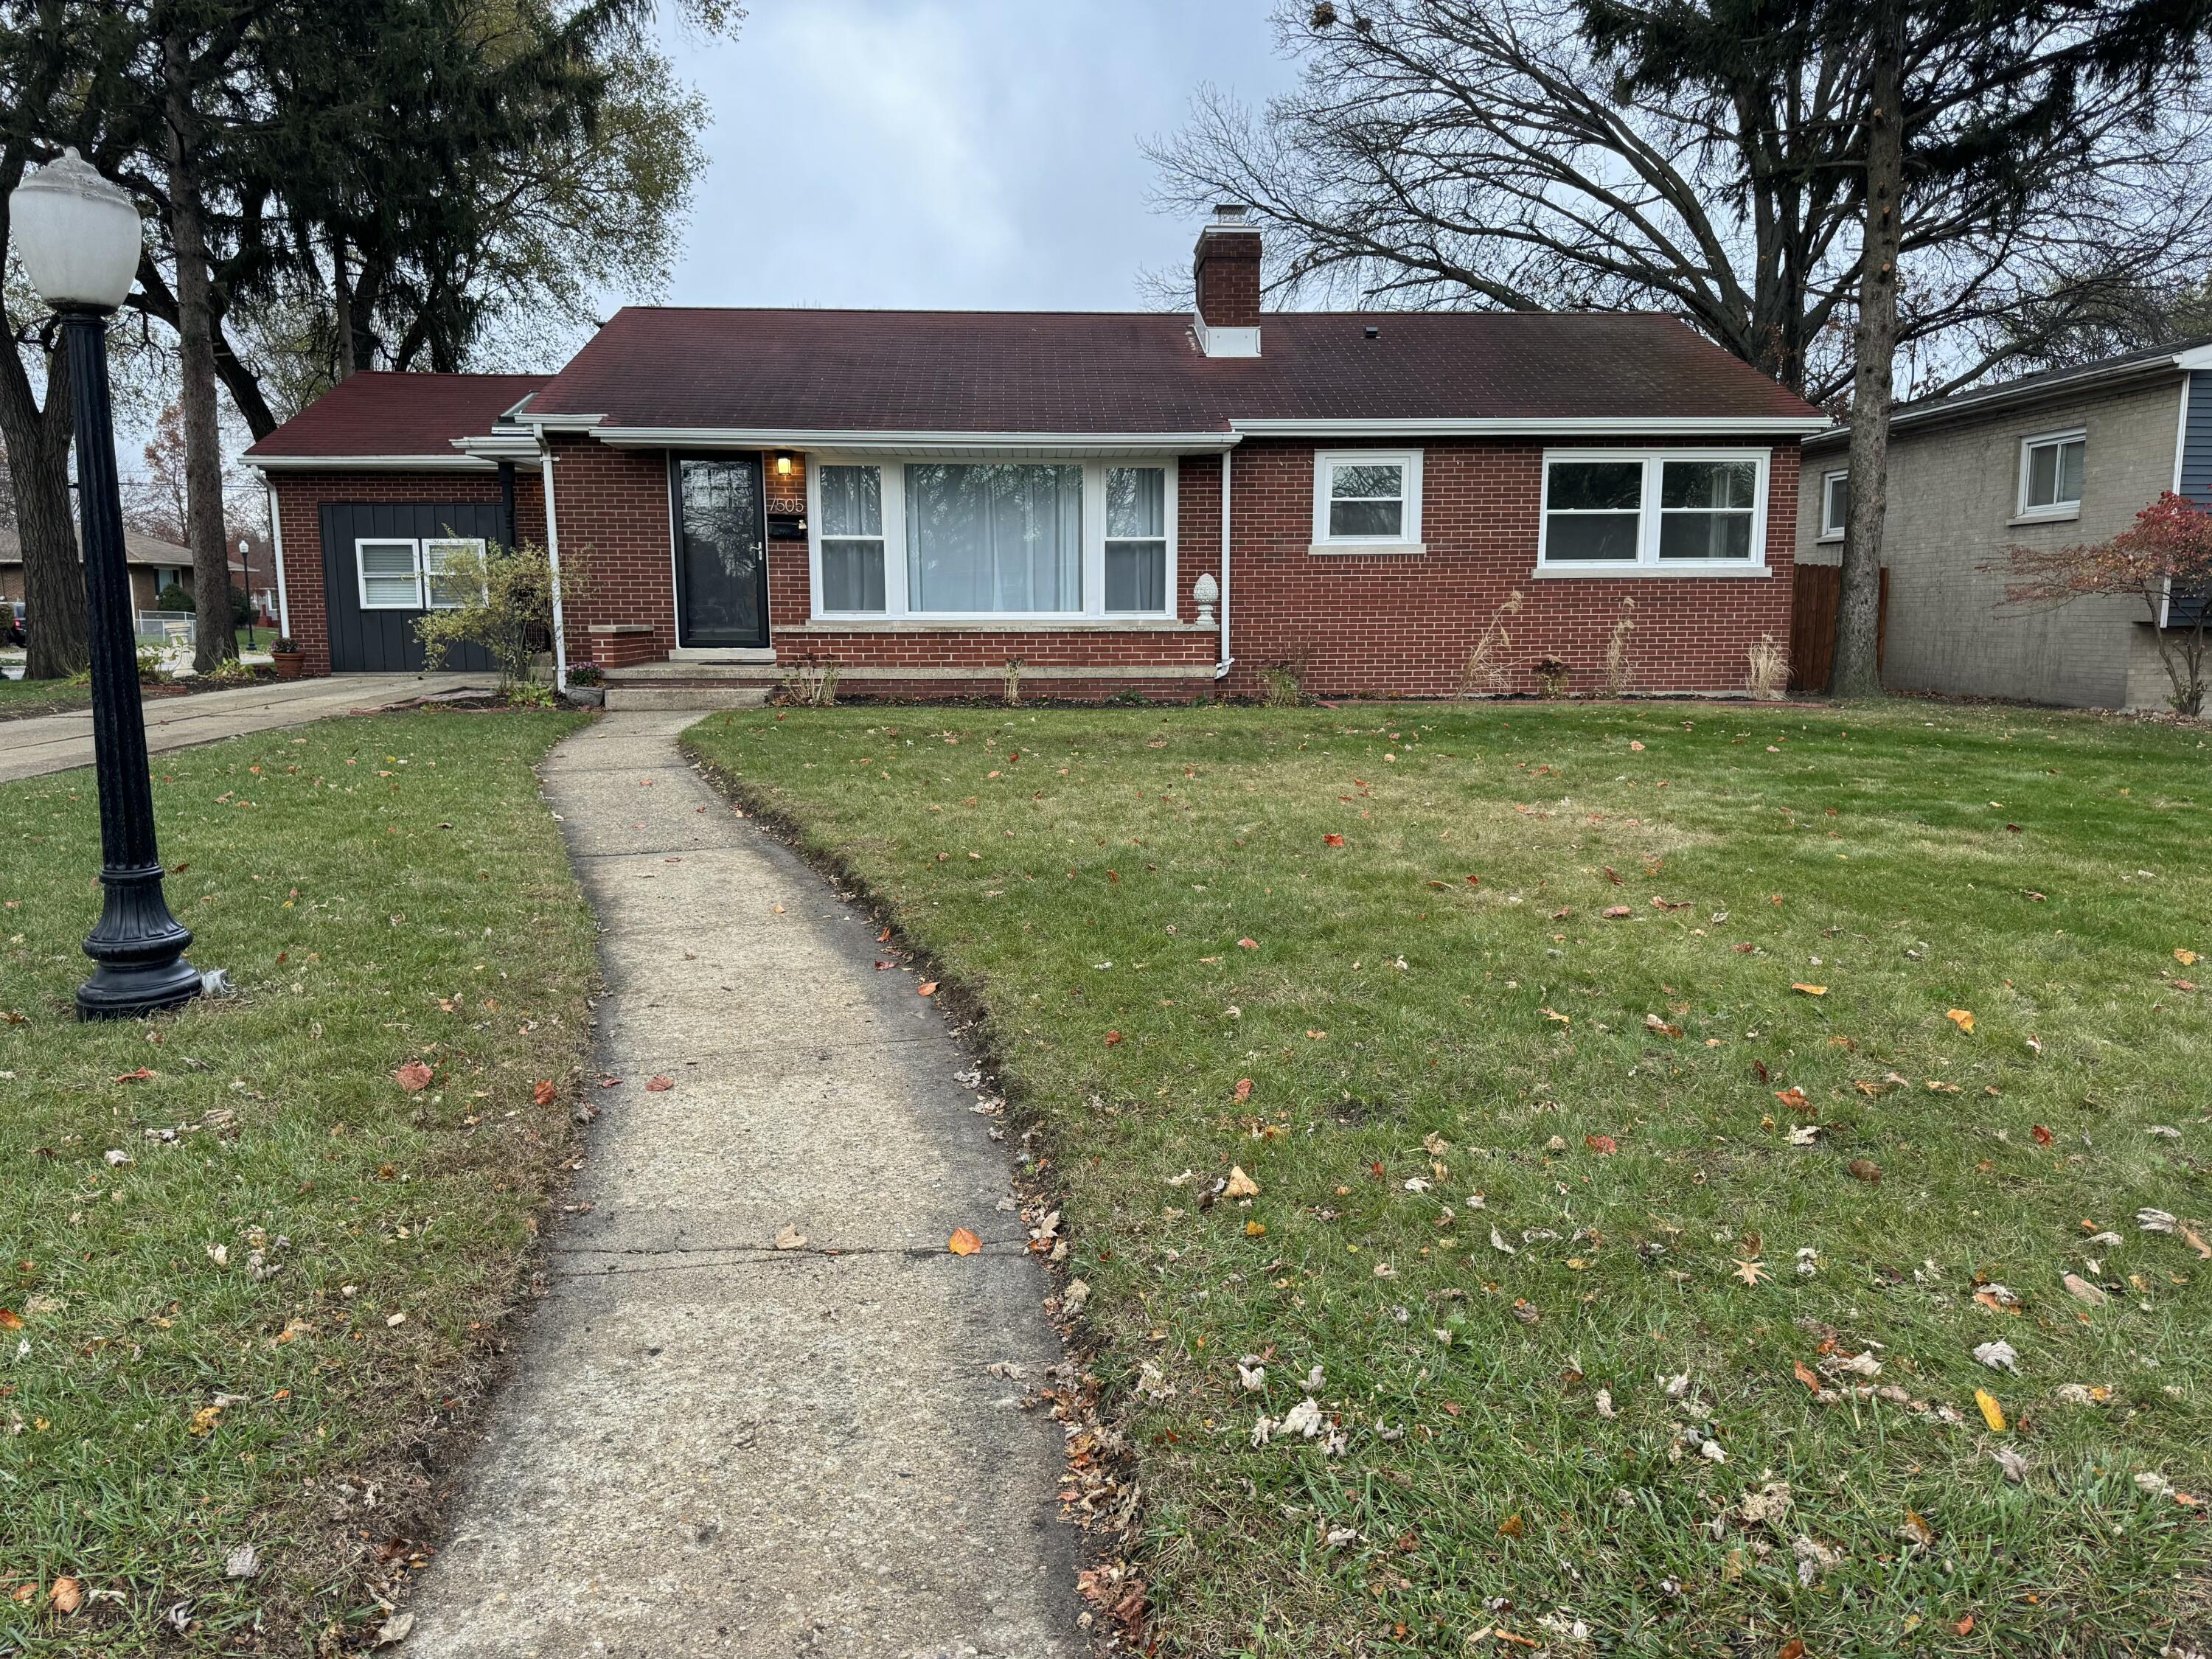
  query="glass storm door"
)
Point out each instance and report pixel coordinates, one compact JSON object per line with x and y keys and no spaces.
{"x":721,"y":552}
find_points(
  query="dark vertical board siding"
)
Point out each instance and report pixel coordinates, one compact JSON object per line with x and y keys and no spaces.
{"x":2182,"y":609}
{"x":384,"y":640}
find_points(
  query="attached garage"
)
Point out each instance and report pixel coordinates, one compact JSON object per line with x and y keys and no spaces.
{"x":378,"y":490}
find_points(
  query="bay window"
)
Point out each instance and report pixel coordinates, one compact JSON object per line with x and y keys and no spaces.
{"x":925,"y":540}
{"x":1613,"y":511}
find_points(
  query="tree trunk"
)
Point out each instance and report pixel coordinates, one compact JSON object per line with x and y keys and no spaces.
{"x":342,"y":306}
{"x":1858,"y":618}
{"x":38,"y":445}
{"x":211,"y":601}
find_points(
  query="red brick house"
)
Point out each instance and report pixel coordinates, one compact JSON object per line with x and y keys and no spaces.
{"x":1140,"y":502}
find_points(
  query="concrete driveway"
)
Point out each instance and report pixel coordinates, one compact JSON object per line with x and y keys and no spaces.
{"x":54,"y":743}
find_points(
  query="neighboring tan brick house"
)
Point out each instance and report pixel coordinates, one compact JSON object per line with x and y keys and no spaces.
{"x":1121,"y":503}
{"x":2049,"y":461}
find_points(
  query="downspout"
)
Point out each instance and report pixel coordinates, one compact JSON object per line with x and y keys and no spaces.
{"x":507,"y":504}
{"x":276,"y":541}
{"x":553,"y":561}
{"x":1221,"y":669}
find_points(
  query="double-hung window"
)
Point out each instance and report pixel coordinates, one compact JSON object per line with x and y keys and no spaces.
{"x":983,"y":539}
{"x":1612,"y":511}
{"x":2051,"y":474}
{"x":436,"y":573}
{"x":1366,"y":499}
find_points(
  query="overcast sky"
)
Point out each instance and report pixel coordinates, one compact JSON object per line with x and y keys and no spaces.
{"x":970,"y":154}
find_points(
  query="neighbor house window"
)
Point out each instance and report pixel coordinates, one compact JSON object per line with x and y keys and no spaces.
{"x":991,"y":538}
{"x":2051,"y":474}
{"x":853,"y":538}
{"x":1835,"y":505}
{"x":1366,"y":497}
{"x":435,"y":573}
{"x":1136,"y":538}
{"x":1623,"y":509}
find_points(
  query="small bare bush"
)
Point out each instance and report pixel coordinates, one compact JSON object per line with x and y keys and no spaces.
{"x":1552,"y":674}
{"x":1284,"y":685}
{"x":1014,"y":667}
{"x":1770,"y":670}
{"x":813,"y":684}
{"x":1487,"y":673}
{"x":1618,"y":674}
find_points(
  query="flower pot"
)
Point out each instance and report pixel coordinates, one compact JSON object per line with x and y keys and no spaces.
{"x":290,"y":665}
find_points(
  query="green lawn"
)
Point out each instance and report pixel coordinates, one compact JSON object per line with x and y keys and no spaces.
{"x":1529,"y":1195}
{"x":248,"y":1278}
{"x":21,"y":699}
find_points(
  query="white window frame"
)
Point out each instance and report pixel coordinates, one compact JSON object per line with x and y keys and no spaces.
{"x":419,"y":547}
{"x":1647,"y":560}
{"x":1832,"y":530}
{"x":2028,"y":446}
{"x":479,"y":543}
{"x":895,"y":609}
{"x":361,"y":571}
{"x":1326,"y":461}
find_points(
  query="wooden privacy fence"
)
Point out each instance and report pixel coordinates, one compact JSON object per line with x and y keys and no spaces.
{"x":1815,"y":601}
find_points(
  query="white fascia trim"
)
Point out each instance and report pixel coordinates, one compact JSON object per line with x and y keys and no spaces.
{"x":1093,"y":444}
{"x":1762,"y":426}
{"x":267,"y":464}
{"x":537,"y":423}
{"x":277,"y":538}
{"x":501,"y":446}
{"x":2191,"y":361}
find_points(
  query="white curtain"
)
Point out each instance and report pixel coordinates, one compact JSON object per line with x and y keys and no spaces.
{"x":993,"y":536}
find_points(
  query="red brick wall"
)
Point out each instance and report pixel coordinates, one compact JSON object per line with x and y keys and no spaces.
{"x":1404,"y":626}
{"x":1354,"y":624}
{"x":300,"y":498}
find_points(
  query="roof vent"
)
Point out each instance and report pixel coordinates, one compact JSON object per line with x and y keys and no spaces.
{"x":1372,"y":332}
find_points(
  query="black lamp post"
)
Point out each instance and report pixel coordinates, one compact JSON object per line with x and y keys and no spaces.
{"x":79,"y":238}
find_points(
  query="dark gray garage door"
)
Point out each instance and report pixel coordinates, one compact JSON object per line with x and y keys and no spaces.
{"x":374,"y":639}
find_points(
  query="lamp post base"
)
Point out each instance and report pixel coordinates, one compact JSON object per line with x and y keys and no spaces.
{"x":140,"y":950}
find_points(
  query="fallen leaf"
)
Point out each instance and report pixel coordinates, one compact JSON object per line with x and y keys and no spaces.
{"x":205,"y":1419}
{"x":395,"y":1629}
{"x":1240,"y":1184}
{"x":142,"y":1075}
{"x":67,"y":1595}
{"x":2082,"y":1290}
{"x":1917,"y":1530}
{"x":1806,"y":1375}
{"x":1792,"y":1649}
{"x":1811,"y":990}
{"x":964,"y":1243}
{"x":543,"y":1094}
{"x":1794,"y":1098}
{"x":1964,"y":1626}
{"x":1992,"y":1414}
{"x":1865,"y":1170}
{"x":1512,"y":1527}
{"x":1653,"y":1023}
{"x":10,"y":1320}
{"x":790,"y":1238}
{"x":1751,"y":1272}
{"x":2187,"y":958}
{"x":1961,"y":1018}
{"x":1998,"y":1356}
{"x":2043,"y":1136}
{"x":414,"y":1077}
{"x":1603,"y":1146}
{"x":1616,"y":912}
{"x":1244,"y":1090}
{"x":1247,"y":943}
{"x":1113,"y":1039}
{"x":927,"y":989}
{"x":1254,"y":1229}
{"x":1332,"y":841}
{"x":659,"y":1085}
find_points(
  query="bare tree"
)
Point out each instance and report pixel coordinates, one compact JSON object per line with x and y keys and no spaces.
{"x":1484,"y":153}
{"x":2163,"y":561}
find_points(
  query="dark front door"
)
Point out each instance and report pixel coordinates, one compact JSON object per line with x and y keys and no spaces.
{"x":373,"y":586}
{"x":722,"y":551}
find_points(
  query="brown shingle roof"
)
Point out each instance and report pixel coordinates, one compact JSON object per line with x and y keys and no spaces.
{"x":1091,"y":371}
{"x":377,"y":412}
{"x":138,"y":548}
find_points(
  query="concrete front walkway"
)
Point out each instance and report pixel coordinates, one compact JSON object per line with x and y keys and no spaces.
{"x":54,"y":743}
{"x":714,"y":1446}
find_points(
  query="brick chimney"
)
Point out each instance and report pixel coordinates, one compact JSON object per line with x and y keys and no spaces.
{"x":1227,"y":269}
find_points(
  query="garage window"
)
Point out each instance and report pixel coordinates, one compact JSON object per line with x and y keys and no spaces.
{"x":436,"y":573}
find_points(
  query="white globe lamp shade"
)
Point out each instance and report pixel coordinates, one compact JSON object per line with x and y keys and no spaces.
{"x":77,"y":235}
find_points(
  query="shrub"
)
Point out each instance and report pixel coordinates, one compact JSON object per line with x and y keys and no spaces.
{"x":1284,"y":685}
{"x":507,"y":608}
{"x":1769,"y":677}
{"x":173,"y":596}
{"x":1551,"y":675}
{"x":813,"y":684}
{"x":284,"y":644}
{"x":150,"y":670}
{"x":1487,"y":671}
{"x":1014,"y":666}
{"x":1618,"y":673}
{"x":585,"y":673}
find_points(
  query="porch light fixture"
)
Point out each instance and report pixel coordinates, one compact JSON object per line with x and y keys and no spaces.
{"x":79,"y":238}
{"x":783,"y":463}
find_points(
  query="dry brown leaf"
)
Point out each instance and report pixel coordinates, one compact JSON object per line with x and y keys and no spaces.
{"x":964,"y":1243}
{"x":659,"y":1085}
{"x":927,"y":989}
{"x":1811,"y":990}
{"x":414,"y":1077}
{"x":1962,"y":1017}
{"x":543,"y":1094}
{"x":1865,"y":1170}
{"x":10,"y":1320}
{"x":1240,"y":1184}
{"x":1806,"y":1375}
{"x":67,"y":1595}
{"x":1512,"y":1527}
{"x":1244,"y":1090}
{"x":1603,"y":1146}
{"x":1992,"y":1414}
{"x":1916,"y":1529}
{"x":1616,"y":912}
